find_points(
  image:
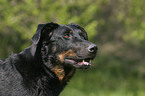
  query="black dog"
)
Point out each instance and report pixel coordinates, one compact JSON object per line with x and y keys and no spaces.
{"x":44,"y":68}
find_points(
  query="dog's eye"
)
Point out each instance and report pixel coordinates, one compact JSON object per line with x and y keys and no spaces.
{"x":67,"y":35}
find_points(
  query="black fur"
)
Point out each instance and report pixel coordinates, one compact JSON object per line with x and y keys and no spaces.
{"x":44,"y":68}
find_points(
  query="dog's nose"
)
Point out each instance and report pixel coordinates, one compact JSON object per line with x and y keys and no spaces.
{"x":93,"y":48}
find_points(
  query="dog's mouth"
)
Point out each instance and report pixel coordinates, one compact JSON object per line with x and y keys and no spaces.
{"x":70,"y":58}
{"x":79,"y":63}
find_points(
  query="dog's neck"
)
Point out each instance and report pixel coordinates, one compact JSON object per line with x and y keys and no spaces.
{"x":53,"y":77}
{"x":63,"y":74}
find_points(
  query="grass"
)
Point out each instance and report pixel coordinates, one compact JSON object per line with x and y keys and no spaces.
{"x":110,"y":76}
{"x":107,"y":80}
{"x":94,"y":84}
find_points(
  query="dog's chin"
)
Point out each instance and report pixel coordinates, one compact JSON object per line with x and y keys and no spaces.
{"x":79,"y":64}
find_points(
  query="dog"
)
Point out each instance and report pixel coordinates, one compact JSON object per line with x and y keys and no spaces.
{"x":44,"y":68}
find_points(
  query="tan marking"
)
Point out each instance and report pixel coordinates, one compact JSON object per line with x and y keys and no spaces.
{"x":66,"y":53}
{"x":59,"y":71}
{"x":70,"y":31}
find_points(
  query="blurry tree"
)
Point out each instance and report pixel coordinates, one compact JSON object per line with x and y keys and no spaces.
{"x":21,"y":17}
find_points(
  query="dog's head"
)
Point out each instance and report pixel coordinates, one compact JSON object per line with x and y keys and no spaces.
{"x":66,"y":45}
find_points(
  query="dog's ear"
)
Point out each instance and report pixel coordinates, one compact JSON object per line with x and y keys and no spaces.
{"x":79,"y":27}
{"x":43,"y":30}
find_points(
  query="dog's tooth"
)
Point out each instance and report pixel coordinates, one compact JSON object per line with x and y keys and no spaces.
{"x":83,"y":60}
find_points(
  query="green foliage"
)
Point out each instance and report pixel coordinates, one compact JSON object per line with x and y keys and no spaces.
{"x":116,"y":26}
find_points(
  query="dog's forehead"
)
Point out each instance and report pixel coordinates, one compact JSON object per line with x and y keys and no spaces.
{"x":68,"y":28}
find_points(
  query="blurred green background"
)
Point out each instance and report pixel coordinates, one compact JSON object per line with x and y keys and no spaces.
{"x":116,"y":26}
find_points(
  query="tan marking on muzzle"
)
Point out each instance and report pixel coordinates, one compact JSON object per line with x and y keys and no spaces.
{"x":66,"y":53}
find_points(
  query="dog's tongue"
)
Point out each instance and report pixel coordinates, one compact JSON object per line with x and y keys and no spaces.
{"x":84,"y":63}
